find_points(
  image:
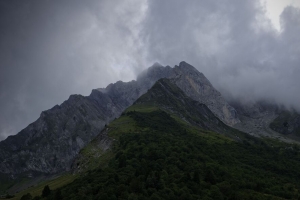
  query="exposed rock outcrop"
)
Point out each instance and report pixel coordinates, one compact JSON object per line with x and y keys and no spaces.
{"x":287,"y":123}
{"x":49,"y":144}
{"x":195,"y":85}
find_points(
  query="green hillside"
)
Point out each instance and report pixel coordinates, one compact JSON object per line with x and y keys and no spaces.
{"x":160,"y":151}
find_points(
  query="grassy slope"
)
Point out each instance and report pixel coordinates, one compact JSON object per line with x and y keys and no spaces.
{"x":53,"y":184}
{"x":170,"y":159}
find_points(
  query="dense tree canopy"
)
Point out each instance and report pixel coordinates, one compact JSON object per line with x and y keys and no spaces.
{"x":160,"y":158}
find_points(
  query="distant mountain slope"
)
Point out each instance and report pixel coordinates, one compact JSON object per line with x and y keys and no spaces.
{"x":287,"y":122}
{"x":266,"y":119}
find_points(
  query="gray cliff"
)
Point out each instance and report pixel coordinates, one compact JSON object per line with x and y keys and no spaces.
{"x":197,"y":86}
{"x":288,"y":123}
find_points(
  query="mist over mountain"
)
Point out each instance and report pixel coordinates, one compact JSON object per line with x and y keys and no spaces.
{"x":169,"y":118}
{"x":50,"y":49}
{"x":49,"y":145}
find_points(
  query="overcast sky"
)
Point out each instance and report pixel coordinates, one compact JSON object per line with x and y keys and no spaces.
{"x":49,"y":49}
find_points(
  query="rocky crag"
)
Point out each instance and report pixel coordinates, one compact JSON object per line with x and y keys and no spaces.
{"x":197,"y":86}
{"x":266,"y":119}
{"x":287,"y":123}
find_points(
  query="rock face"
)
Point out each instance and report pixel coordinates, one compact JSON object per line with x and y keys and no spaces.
{"x":91,"y":153}
{"x":195,"y":85}
{"x":269,"y":120}
{"x":287,"y":122}
{"x":166,"y":95}
{"x":50,"y":144}
{"x":255,"y":117}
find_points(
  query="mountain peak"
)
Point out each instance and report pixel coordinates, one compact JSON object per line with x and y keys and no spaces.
{"x":166,"y":95}
{"x":153,"y":73}
{"x":156,"y":64}
{"x":183,"y":63}
{"x":186,"y":67}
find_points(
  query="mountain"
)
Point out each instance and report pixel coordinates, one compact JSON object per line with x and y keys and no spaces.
{"x":164,"y":97}
{"x":196,"y":86}
{"x":49,"y":145}
{"x":55,"y":142}
{"x":177,"y":107}
{"x":163,"y":147}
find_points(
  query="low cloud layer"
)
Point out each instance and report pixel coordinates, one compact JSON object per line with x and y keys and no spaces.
{"x":233,"y":43}
{"x":51,"y":49}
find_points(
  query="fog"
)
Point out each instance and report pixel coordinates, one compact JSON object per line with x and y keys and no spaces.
{"x":52,"y":49}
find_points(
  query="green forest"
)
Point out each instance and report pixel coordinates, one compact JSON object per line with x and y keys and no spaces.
{"x":157,"y":156}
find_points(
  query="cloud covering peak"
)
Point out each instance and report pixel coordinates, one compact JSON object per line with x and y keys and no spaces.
{"x":51,"y":49}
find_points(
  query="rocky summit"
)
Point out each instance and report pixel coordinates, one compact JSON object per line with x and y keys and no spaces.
{"x":198,"y":87}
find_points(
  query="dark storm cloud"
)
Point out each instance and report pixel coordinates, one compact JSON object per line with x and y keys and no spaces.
{"x":51,"y":49}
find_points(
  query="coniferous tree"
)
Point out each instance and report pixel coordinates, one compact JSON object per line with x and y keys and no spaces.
{"x":196,"y":177}
{"x":58,"y":195}
{"x":210,"y":177}
{"x":46,"y":191}
{"x":26,"y":197}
